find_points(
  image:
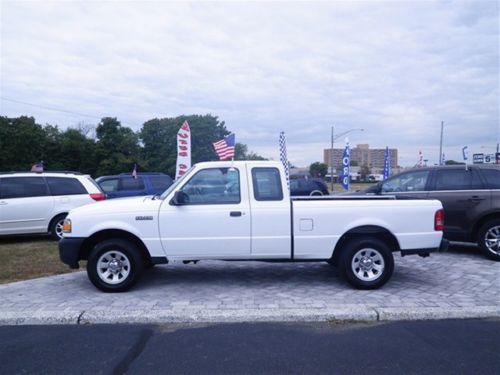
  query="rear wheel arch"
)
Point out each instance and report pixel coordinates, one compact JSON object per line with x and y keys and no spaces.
{"x":477,"y":226}
{"x":107,"y":234}
{"x":373,"y":231}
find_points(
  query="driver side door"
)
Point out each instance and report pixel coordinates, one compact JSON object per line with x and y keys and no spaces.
{"x":213,"y":222}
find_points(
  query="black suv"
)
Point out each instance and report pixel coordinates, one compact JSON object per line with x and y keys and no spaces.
{"x":470,"y":197}
{"x":307,"y":187}
{"x":125,"y":185}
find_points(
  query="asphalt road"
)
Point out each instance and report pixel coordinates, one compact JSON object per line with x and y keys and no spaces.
{"x":419,"y":347}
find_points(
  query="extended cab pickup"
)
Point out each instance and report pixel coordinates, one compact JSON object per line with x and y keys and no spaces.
{"x":243,"y":211}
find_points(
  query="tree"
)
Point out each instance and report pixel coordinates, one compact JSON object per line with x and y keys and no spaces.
{"x":241,"y":153}
{"x":117,"y":147}
{"x":318,"y":169}
{"x":21,"y":143}
{"x":453,"y":162}
{"x":159,"y":137}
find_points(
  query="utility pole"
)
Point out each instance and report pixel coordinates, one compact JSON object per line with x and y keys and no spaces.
{"x":331,"y":157}
{"x":441,"y":145}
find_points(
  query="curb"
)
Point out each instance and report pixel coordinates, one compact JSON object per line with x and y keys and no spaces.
{"x":351,"y":314}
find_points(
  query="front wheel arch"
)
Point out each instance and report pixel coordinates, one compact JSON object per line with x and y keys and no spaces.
{"x":103,"y":235}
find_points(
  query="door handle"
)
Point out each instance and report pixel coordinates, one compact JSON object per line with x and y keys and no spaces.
{"x":3,"y":203}
{"x":475,"y":198}
{"x":235,"y":213}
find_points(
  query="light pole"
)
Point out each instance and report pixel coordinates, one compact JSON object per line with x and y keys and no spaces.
{"x":334,"y":137}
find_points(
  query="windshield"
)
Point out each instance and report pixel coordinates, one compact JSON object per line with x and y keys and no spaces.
{"x":175,"y":184}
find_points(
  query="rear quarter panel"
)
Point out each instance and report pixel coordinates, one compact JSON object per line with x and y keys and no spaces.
{"x":319,"y":224}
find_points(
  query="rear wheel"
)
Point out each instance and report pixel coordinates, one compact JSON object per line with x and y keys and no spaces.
{"x":367,"y":263}
{"x":489,"y":239}
{"x":56,"y":227}
{"x":114,"y":265}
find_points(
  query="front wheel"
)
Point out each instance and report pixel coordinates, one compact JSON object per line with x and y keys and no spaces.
{"x":114,"y":265}
{"x":489,"y":239}
{"x":367,"y":263}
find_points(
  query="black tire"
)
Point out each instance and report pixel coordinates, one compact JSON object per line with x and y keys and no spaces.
{"x":55,"y":227}
{"x":123,"y":273}
{"x":377,"y":258}
{"x":488,"y":239}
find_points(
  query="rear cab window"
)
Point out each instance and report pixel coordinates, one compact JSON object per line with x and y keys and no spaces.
{"x":267,"y":184}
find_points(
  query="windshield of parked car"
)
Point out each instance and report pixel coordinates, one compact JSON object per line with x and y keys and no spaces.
{"x":175,"y":184}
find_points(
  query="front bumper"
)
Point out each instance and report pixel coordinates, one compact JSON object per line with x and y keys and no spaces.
{"x":69,"y":251}
{"x":426,"y":252}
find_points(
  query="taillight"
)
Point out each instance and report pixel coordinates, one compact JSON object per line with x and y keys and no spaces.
{"x":439,"y":220}
{"x":98,"y":196}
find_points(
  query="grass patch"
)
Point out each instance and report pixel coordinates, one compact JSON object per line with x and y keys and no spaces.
{"x":23,"y":258}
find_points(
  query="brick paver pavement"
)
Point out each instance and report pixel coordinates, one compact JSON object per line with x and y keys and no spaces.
{"x":457,"y":284}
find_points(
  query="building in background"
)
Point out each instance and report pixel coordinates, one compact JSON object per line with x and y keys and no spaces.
{"x":361,"y":155}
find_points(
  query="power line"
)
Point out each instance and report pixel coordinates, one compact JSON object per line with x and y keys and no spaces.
{"x":54,"y":109}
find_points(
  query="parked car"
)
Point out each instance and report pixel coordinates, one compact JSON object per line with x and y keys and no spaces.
{"x":39,"y":202}
{"x":470,"y":198}
{"x":300,"y":187}
{"x":125,"y":185}
{"x":242,"y":211}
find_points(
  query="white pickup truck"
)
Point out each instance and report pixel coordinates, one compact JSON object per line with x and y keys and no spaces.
{"x":243,"y":211}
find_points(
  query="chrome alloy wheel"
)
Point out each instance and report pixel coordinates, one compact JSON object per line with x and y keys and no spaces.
{"x":113,"y":267}
{"x":368,"y":264}
{"x":59,"y":228}
{"x":492,"y":239}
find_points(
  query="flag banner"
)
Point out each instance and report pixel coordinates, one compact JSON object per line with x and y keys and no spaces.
{"x":420,"y":159}
{"x":387,"y":163}
{"x":134,"y":171}
{"x":346,"y":159}
{"x":465,"y":153}
{"x":183,"y":150}
{"x":284,"y":157}
{"x":443,"y":160}
{"x":37,"y":167}
{"x":225,"y":148}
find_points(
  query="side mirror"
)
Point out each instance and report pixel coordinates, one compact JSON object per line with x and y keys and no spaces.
{"x":180,"y":198}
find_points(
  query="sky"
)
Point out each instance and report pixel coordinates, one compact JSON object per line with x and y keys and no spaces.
{"x":393,"y":68}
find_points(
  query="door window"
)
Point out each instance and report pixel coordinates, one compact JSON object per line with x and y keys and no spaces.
{"x":214,"y":186}
{"x":109,"y":186}
{"x":412,"y":181}
{"x":22,"y":187}
{"x":267,"y":184}
{"x":492,"y":178}
{"x":65,"y":186}
{"x":457,"y":179}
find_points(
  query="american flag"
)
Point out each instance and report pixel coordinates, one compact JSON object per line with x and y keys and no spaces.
{"x":225,"y":147}
{"x":38,"y":167}
{"x":284,"y":157}
{"x":134,"y":172}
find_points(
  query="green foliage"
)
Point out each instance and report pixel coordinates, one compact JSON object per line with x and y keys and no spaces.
{"x":318,"y":169}
{"x":115,"y":149}
{"x":453,"y":162}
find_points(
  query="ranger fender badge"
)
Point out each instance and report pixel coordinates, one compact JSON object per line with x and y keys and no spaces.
{"x":144,"y":218}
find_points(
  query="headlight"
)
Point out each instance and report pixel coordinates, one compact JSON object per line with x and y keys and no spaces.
{"x":67,"y":226}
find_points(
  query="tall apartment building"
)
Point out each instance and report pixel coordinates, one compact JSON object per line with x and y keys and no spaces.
{"x":363,"y":155}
